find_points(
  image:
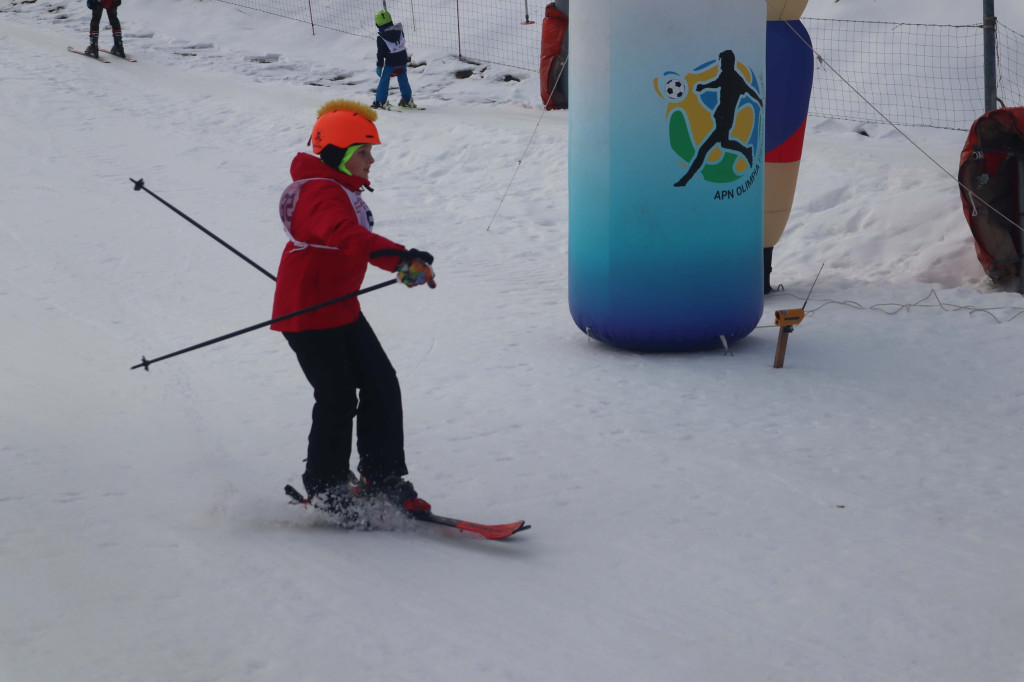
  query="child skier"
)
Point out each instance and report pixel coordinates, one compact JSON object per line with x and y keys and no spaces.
{"x":330,"y":229}
{"x":392,"y":59}
{"x":97,"y":7}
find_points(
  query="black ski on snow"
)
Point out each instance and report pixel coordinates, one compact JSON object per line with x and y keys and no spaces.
{"x":99,"y":59}
{"x":491,"y":532}
{"x":126,"y":58}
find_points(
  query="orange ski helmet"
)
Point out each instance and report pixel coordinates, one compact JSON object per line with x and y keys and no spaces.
{"x":343,"y":123}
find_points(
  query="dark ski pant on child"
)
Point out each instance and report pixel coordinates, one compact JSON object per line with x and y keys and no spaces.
{"x":97,"y":14}
{"x":351,"y":378}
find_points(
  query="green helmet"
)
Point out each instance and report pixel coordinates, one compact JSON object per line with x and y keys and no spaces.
{"x":382,"y":17}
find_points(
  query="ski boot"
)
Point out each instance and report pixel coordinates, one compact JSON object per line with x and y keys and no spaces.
{"x":395,"y":490}
{"x":118,"y":49}
{"x":331,"y":493}
{"x":380,"y":105}
{"x":94,"y":46}
{"x":407,"y":103}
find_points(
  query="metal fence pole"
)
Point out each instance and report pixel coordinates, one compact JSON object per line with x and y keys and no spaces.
{"x":458,"y":27}
{"x":989,"y":29}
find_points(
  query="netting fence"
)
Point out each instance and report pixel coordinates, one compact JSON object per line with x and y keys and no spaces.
{"x":487,"y":31}
{"x":914,"y":74}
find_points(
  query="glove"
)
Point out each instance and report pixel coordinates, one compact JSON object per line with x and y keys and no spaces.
{"x":380,"y":70}
{"x":90,"y":3}
{"x":414,"y":269}
{"x":397,"y":71}
{"x":416,"y":254}
{"x":415,"y":273}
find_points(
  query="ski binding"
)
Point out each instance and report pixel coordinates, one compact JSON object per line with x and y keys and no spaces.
{"x":99,"y":59}
{"x":126,"y":57}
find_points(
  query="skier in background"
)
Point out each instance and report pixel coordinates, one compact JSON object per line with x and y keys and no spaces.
{"x":392,"y":59}
{"x":330,"y":229}
{"x":97,"y":7}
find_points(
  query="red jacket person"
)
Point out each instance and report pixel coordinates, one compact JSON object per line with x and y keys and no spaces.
{"x":331,"y":243}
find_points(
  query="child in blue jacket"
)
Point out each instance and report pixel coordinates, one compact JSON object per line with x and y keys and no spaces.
{"x":392,"y":59}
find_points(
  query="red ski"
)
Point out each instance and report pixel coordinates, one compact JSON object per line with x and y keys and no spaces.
{"x":99,"y":59}
{"x":126,"y":57}
{"x":491,"y":532}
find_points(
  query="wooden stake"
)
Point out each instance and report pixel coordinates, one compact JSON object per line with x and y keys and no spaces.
{"x":780,"y":347}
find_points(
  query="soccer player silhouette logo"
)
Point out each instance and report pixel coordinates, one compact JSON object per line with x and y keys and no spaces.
{"x":731,"y":87}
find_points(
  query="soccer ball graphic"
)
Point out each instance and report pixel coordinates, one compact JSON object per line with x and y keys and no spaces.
{"x":675,"y":90}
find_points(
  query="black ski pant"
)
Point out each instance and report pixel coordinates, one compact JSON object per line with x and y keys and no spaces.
{"x":97,"y":14}
{"x":352,"y":378}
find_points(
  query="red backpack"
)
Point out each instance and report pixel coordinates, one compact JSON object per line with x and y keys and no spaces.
{"x":991,"y":189}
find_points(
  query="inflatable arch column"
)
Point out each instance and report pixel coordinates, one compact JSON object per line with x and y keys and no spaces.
{"x":790,"y":66}
{"x":666,"y":171}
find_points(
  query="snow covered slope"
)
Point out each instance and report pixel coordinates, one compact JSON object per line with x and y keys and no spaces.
{"x":854,"y":516}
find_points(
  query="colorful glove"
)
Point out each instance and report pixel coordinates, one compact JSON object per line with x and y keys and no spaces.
{"x":414,"y":269}
{"x":380,"y":71}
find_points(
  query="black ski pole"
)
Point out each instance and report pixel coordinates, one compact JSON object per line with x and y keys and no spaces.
{"x":140,"y":184}
{"x":146,"y":363}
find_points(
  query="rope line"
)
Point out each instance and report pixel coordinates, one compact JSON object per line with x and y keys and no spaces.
{"x":527,"y":150}
{"x":896,"y":308}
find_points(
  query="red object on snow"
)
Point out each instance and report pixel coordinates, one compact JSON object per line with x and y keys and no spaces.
{"x":990,"y":189}
{"x":553,"y":53}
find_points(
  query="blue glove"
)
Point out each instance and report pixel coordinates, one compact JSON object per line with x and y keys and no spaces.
{"x":90,"y":3}
{"x":380,"y":69}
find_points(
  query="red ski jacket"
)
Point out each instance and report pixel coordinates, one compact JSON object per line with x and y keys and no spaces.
{"x":330,"y":245}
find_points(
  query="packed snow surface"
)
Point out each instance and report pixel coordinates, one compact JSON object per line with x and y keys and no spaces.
{"x":852,"y":517}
